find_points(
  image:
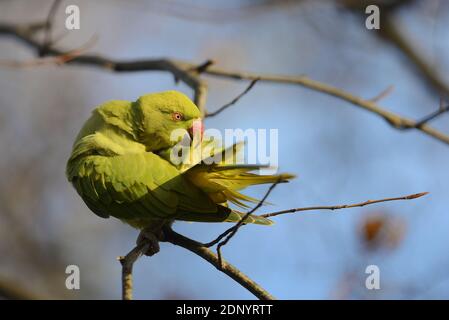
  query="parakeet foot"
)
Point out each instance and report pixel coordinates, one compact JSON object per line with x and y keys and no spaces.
{"x":152,"y":240}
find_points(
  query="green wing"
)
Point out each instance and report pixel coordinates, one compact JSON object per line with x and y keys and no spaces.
{"x":141,"y":186}
{"x":138,"y":186}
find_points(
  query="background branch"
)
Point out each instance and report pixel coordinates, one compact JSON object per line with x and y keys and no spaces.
{"x":48,"y":28}
{"x":392,"y":35}
{"x":11,"y":291}
{"x":190,"y":74}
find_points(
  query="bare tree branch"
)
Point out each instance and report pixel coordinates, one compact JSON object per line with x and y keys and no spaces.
{"x":188,"y":73}
{"x":344,"y":206}
{"x":233,"y":101}
{"x":391,"y":34}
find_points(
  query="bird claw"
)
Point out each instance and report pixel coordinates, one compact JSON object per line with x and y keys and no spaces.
{"x":151,"y":242}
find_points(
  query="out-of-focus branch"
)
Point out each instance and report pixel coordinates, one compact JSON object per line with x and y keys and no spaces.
{"x":344,"y":206}
{"x":383,"y":94}
{"x":443,"y":109}
{"x":50,"y":60}
{"x":392,"y":35}
{"x":191,"y":74}
{"x":47,"y":28}
{"x":12,"y":291}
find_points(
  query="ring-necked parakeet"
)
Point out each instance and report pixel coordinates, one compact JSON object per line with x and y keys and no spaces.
{"x":120,"y":167}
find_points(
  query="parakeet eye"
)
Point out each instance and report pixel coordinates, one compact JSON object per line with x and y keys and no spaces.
{"x":177,"y":116}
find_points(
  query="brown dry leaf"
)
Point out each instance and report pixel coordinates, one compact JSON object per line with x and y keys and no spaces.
{"x":380,"y":230}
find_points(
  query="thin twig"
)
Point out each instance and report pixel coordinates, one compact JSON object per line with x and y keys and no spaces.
{"x":383,"y":94}
{"x":241,"y":221}
{"x":443,"y":109}
{"x":234,"y":101}
{"x":344,"y":206}
{"x":228,"y":234}
{"x":225,"y":267}
{"x":203,"y":66}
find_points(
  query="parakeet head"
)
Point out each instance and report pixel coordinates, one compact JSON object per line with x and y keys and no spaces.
{"x":162,"y":113}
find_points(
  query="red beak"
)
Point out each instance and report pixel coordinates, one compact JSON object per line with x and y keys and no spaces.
{"x":197,"y":128}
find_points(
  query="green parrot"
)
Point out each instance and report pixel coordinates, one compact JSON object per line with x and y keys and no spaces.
{"x":120,"y":166}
